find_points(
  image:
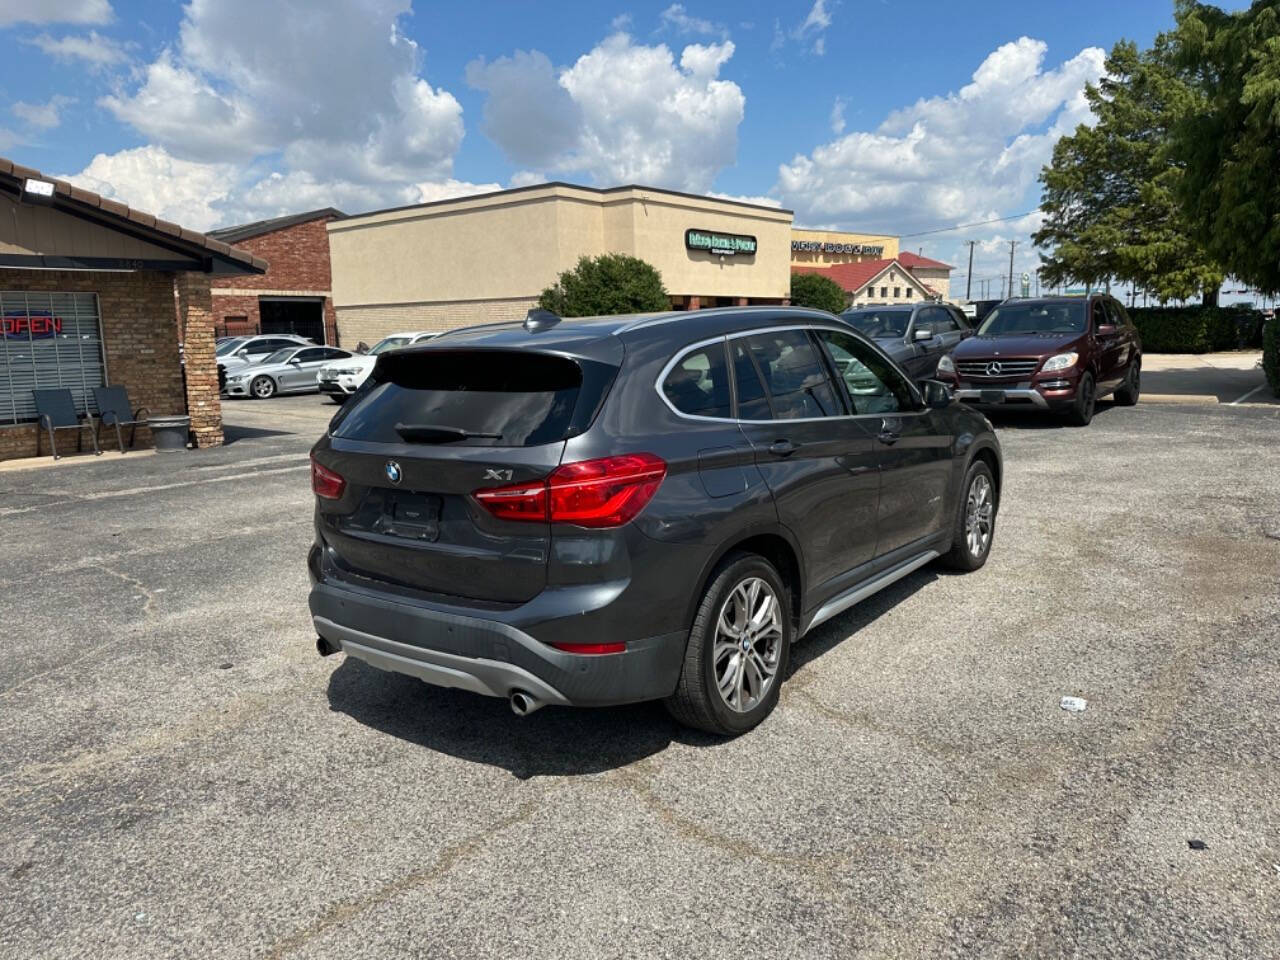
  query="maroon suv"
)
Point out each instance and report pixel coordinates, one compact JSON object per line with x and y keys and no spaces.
{"x":1049,"y":353}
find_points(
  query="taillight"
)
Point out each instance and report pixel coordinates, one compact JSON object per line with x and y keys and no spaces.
{"x":325,"y":482}
{"x":607,"y":492}
{"x":591,"y":648}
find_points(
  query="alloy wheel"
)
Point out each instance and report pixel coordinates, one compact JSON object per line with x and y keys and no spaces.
{"x":979,"y":512}
{"x":748,"y":644}
{"x":263,"y":388}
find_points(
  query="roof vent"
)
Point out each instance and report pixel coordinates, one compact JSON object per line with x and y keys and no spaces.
{"x":538,"y":320}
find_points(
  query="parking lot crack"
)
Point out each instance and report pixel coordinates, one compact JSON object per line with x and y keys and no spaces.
{"x":344,"y":911}
{"x":147,"y":595}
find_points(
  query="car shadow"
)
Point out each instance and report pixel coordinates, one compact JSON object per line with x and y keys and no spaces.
{"x":1039,"y":420}
{"x":557,"y":741}
{"x":553,"y":742}
{"x":231,"y":433}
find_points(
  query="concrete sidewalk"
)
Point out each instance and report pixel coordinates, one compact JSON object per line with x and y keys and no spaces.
{"x":1233,"y":378}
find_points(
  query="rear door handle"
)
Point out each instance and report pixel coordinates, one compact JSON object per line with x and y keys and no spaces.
{"x":783,"y":448}
{"x":888,"y":437}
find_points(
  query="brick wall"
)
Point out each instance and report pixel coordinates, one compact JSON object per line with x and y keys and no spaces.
{"x":140,"y":340}
{"x":195,"y":308}
{"x":298,"y":261}
{"x":371,"y":324}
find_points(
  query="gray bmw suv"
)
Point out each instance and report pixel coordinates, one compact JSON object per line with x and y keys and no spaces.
{"x":615,"y":509}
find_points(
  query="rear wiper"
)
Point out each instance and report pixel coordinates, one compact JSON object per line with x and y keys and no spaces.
{"x":431,"y":433}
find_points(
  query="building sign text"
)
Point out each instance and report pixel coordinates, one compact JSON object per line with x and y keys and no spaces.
{"x":724,"y":244}
{"x":822,"y":246}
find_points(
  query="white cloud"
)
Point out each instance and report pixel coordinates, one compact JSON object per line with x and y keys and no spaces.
{"x":42,"y":116}
{"x":92,"y":48}
{"x":149,"y":179}
{"x":624,"y":112}
{"x":759,"y":201}
{"x":336,"y":114}
{"x":963,"y":157}
{"x":837,"y":116}
{"x":54,"y":11}
{"x":814,"y":25}
{"x":677,"y":19}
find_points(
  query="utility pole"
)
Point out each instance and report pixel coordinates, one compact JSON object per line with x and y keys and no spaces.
{"x":1012,"y":244}
{"x":968,"y":285}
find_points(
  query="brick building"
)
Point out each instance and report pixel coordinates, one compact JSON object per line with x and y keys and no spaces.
{"x":294,"y":295}
{"x":93,"y":293}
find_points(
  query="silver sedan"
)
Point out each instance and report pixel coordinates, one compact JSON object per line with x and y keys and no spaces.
{"x":290,"y":370}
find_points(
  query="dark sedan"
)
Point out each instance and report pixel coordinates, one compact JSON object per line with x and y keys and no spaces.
{"x":916,"y":335}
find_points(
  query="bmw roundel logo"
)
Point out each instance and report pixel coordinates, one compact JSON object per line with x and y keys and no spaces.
{"x":393,"y":471}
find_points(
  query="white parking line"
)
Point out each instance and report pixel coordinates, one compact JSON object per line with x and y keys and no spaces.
{"x":134,"y":491}
{"x":1247,"y":395}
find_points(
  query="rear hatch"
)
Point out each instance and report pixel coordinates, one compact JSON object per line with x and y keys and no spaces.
{"x":431,"y":426}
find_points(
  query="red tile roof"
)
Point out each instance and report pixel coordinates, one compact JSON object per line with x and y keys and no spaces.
{"x":851,"y":276}
{"x":912,"y":260}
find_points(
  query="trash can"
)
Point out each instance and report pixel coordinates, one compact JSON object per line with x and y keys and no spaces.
{"x":170,"y":433}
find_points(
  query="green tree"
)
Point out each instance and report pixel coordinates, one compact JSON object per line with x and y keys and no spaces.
{"x":1110,"y":194}
{"x":1229,"y":138}
{"x":816,"y":291}
{"x":608,"y":284}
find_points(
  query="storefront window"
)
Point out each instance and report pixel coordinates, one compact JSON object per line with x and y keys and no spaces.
{"x":47,"y":340}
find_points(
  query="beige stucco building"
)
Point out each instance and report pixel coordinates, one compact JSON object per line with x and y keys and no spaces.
{"x":825,"y":248}
{"x":450,"y":263}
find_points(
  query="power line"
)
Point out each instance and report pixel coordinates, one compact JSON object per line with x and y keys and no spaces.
{"x":965,"y":226}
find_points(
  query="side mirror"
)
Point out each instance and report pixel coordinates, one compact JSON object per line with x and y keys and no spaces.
{"x":922,"y":333}
{"x":937,"y":395}
{"x":295,"y":361}
{"x":1106,"y":329}
{"x":242,"y":354}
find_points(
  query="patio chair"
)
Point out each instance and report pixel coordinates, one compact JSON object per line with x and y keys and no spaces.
{"x":114,"y":411}
{"x":57,"y":411}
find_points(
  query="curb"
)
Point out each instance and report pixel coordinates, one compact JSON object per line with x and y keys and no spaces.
{"x":1183,"y":398}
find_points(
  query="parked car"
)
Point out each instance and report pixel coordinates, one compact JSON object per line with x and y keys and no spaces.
{"x":291,"y":370}
{"x":236,"y":352}
{"x":916,"y":336}
{"x":619,"y":509}
{"x":340,"y":380}
{"x":1056,"y":354}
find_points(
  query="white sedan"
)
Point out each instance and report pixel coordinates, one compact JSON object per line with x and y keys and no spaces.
{"x":343,"y":378}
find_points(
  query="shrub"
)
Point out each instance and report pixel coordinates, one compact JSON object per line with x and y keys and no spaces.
{"x":817,"y":292}
{"x":608,"y":284}
{"x":1196,"y":329}
{"x":1271,"y":352}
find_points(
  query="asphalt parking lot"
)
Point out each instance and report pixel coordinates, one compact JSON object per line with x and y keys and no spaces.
{"x":185,"y":777}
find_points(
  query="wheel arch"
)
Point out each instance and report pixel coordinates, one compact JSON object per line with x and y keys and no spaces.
{"x":777,"y":545}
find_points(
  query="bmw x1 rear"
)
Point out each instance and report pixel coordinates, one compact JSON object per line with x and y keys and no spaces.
{"x":572,"y":513}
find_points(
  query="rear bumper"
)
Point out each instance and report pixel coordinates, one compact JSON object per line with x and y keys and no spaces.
{"x":491,"y":655}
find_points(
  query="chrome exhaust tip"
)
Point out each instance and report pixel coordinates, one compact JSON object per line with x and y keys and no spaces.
{"x":523,"y":704}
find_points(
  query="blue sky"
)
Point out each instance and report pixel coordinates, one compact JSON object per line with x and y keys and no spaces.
{"x":858,"y":115}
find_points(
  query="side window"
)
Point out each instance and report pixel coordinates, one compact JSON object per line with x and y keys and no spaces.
{"x":794,"y":375}
{"x":698,"y":384}
{"x":1099,"y":314}
{"x":1116,"y":314}
{"x":752,"y":402}
{"x":333,"y":353}
{"x":874,"y":386}
{"x":310,"y":356}
{"x":943,"y":321}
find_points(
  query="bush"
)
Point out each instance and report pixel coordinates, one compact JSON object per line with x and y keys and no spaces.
{"x":1195,"y":329}
{"x":1271,"y":352}
{"x":817,"y":292}
{"x":608,"y":284}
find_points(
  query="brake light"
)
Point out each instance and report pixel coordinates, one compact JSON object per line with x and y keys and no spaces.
{"x":325,"y":482}
{"x":591,"y":648}
{"x":607,"y":492}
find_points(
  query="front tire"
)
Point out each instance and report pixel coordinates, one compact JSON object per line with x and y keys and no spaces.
{"x":262,"y":388}
{"x":738,"y":649}
{"x":1086,"y":402}
{"x":1128,"y":393}
{"x":975,"y":523}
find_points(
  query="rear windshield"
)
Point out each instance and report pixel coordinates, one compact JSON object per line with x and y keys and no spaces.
{"x":500,"y":398}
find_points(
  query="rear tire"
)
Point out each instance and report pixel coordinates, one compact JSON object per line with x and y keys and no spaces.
{"x":1128,"y":393}
{"x":740,"y":644}
{"x":1086,"y":402}
{"x":975,"y":523}
{"x":262,"y":388}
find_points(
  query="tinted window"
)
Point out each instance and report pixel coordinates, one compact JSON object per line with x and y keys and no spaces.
{"x":943,"y":321}
{"x":794,"y":376}
{"x":1012,"y":319}
{"x":500,"y":398}
{"x":879,"y":323}
{"x":312,"y":355}
{"x":333,"y":353}
{"x":752,"y":402}
{"x":873,"y":385}
{"x":1099,"y":314}
{"x":229,"y":346}
{"x":279,"y":356}
{"x":1116,"y":313}
{"x":699,"y":383}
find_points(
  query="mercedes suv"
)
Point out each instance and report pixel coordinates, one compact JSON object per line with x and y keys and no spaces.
{"x":616,"y":509}
{"x":1059,"y":354}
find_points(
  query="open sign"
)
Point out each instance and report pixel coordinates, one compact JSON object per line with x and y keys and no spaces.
{"x":30,"y":326}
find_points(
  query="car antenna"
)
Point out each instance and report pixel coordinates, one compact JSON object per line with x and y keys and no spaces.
{"x":538,"y":319}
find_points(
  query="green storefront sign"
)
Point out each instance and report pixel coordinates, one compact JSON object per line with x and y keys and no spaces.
{"x":724,"y":244}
